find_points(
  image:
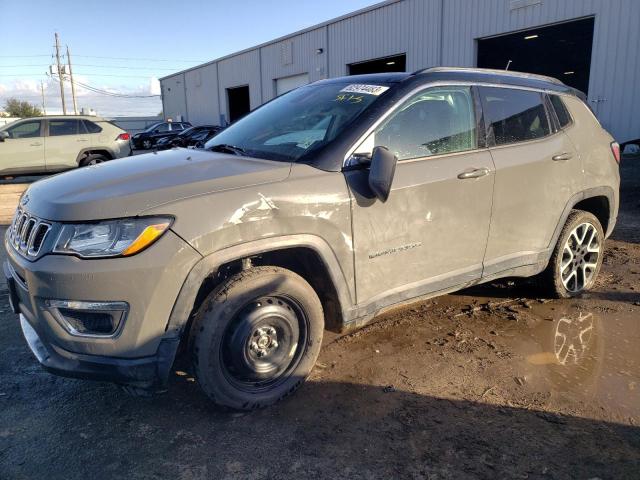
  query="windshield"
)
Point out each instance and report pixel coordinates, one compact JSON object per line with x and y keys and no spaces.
{"x":298,"y":122}
{"x":153,"y":127}
{"x":187,"y":132}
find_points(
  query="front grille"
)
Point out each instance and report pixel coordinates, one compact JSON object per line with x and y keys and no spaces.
{"x":28,"y":233}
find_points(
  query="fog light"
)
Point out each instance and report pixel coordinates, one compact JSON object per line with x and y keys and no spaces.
{"x":89,"y":319}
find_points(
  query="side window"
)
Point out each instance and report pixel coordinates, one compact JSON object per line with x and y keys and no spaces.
{"x":63,"y":127}
{"x":514,"y":115}
{"x":561,"y":110}
{"x":28,"y":129}
{"x":436,"y":121}
{"x":92,"y":127}
{"x":163,"y":127}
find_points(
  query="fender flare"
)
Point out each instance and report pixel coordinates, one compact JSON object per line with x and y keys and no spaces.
{"x":210,"y":264}
{"x":603,"y":191}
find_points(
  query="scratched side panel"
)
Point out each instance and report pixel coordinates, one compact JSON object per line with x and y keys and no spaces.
{"x":309,"y":201}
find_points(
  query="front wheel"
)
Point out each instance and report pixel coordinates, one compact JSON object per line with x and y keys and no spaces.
{"x":577,"y":257}
{"x":256,"y":338}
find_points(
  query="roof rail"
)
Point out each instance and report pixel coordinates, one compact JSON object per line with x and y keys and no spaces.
{"x":489,"y":71}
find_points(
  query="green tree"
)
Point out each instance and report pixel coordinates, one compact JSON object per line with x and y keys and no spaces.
{"x":17,"y":108}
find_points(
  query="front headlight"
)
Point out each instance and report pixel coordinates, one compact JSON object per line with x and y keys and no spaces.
{"x":111,"y":238}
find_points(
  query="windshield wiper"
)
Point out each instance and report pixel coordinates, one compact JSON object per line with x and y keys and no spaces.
{"x":223,"y":147}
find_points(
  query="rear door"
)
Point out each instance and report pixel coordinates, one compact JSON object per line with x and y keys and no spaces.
{"x":431,"y":233}
{"x":66,"y":138}
{"x":94,"y":133}
{"x":23,"y":151}
{"x":537,"y":171}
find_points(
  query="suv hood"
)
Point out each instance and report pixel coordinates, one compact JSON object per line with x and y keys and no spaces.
{"x":129,"y":186}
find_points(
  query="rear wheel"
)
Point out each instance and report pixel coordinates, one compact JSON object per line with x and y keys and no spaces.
{"x":147,"y":143}
{"x":256,"y":338}
{"x":577,"y":257}
{"x":93,"y":160}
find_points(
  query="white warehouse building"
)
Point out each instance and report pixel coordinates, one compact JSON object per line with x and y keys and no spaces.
{"x":593,"y":45}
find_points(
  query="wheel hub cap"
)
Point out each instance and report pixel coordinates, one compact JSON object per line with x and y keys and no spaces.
{"x":262,"y":344}
{"x":580,"y":257}
{"x":264,"y":341}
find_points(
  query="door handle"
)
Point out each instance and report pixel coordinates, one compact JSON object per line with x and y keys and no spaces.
{"x":562,"y":157}
{"x":82,"y":140}
{"x":37,"y":144}
{"x":475,"y":173}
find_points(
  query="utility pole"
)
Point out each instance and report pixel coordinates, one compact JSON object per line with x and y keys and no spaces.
{"x":60,"y":76}
{"x":73,"y":87}
{"x":44,"y":107}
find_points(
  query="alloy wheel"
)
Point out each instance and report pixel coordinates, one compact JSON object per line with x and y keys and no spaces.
{"x":580,"y":257}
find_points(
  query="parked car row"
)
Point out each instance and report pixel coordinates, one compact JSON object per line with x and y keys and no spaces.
{"x":191,"y":137}
{"x":53,"y":144}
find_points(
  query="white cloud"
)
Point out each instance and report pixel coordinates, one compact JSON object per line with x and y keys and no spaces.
{"x":154,"y":86}
{"x":29,"y":90}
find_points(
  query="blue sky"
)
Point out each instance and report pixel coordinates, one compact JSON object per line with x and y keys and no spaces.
{"x":150,"y":38}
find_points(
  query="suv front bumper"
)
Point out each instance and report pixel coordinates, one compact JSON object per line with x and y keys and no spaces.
{"x":142,"y":352}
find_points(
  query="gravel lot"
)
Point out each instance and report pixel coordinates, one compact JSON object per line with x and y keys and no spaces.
{"x":493,"y":382}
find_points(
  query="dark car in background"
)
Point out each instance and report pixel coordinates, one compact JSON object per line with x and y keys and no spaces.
{"x":148,"y":138}
{"x":189,"y":137}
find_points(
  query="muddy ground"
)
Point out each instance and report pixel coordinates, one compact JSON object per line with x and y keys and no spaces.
{"x":493,"y":382}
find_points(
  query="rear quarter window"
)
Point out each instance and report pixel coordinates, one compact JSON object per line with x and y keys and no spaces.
{"x":92,"y":127}
{"x":514,"y":115}
{"x":562,"y":113}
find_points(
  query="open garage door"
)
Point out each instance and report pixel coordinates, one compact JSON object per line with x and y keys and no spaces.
{"x":238,"y":102}
{"x":396,"y":63}
{"x":286,"y":84}
{"x":562,"y":51}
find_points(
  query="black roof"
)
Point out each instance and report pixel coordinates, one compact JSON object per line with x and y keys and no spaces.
{"x":473,"y":75}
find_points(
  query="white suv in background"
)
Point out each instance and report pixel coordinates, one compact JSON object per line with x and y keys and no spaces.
{"x":56,"y":143}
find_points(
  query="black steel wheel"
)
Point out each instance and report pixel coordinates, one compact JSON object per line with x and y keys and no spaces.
{"x":263,"y":343}
{"x":256,"y":338}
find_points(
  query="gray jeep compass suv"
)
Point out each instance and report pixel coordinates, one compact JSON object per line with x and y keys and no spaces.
{"x":318,"y":210}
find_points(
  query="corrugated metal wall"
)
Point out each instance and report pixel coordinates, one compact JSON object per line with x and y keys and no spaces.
{"x":615,"y":66}
{"x":294,"y":56}
{"x":174,"y":102}
{"x":202,"y":95}
{"x":430,"y":32}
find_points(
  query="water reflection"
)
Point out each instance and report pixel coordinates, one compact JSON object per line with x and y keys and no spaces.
{"x":581,"y":356}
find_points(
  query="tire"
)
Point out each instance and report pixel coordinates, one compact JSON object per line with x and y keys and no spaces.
{"x":577,"y":257}
{"x":93,"y":160}
{"x":147,"y":144}
{"x":256,"y":338}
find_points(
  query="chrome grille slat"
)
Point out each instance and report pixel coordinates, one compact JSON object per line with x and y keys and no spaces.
{"x":27,"y":233}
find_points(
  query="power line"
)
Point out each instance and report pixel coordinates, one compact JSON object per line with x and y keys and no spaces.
{"x":92,"y":65}
{"x":26,"y":74}
{"x":146,"y":59}
{"x":23,"y":56}
{"x":106,"y":92}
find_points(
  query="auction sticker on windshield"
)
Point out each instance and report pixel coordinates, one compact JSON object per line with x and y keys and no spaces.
{"x":362,"y":88}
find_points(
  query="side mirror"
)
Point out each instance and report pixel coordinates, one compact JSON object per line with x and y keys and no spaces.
{"x":381,"y":172}
{"x":4,"y":135}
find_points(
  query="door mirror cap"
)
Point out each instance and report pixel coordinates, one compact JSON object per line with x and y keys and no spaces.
{"x":3,"y":135}
{"x":381,"y":172}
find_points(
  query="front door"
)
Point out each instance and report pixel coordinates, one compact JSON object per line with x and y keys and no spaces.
{"x":23,"y":151}
{"x":432,"y":232}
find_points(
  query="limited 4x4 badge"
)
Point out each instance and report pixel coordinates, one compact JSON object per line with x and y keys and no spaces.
{"x":399,"y":249}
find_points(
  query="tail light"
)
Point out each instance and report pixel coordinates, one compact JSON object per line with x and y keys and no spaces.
{"x":123,"y":136}
{"x":615,"y":149}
